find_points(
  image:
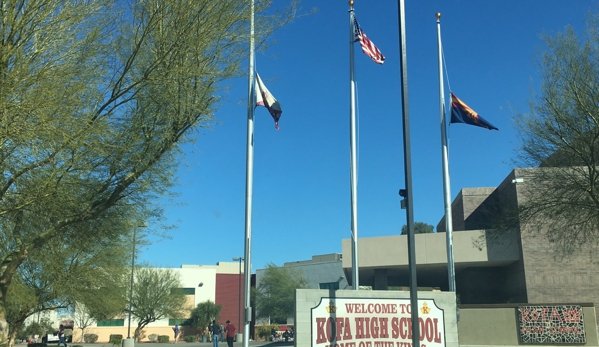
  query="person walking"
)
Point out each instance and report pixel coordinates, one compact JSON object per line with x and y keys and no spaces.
{"x":61,"y":338}
{"x":176,"y":331}
{"x":215,"y":331}
{"x":230,"y":328}
{"x":222,"y":333}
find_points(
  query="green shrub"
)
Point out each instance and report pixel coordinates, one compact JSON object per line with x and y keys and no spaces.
{"x":189,"y":338}
{"x":115,"y":339}
{"x":163,"y":338}
{"x":153,"y":337}
{"x":41,"y":328}
{"x":90,"y":338}
{"x":264,"y":331}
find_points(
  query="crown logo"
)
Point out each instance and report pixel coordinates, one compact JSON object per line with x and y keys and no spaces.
{"x":331,"y":308}
{"x":425,"y":309}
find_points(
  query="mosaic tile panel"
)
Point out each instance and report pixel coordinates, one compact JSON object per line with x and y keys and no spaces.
{"x":562,"y":324}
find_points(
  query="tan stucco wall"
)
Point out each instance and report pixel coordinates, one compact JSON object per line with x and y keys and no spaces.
{"x":388,"y":251}
{"x":490,"y":326}
{"x":105,"y":332}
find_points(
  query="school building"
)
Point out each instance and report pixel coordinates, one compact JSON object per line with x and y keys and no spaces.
{"x":492,"y":266}
{"x":221,"y":283}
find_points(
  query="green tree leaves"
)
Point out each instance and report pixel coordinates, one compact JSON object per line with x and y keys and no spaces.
{"x":155,"y":296}
{"x":275,"y":295}
{"x":95,"y":100}
{"x":419,"y":228}
{"x":203,"y":315}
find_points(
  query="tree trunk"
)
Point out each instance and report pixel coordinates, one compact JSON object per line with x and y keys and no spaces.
{"x":12,"y":338}
{"x":8,"y":268}
{"x":4,"y":329}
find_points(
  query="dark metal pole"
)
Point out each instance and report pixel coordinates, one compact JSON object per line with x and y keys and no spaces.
{"x":408,"y":175}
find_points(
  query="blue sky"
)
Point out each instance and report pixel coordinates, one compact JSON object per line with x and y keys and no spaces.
{"x":301,"y":191}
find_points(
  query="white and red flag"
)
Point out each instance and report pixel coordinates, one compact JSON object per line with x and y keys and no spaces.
{"x":266,"y":99}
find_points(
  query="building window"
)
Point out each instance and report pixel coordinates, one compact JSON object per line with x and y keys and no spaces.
{"x":186,"y":291}
{"x":111,"y":323}
{"x":329,"y":285}
{"x":181,"y":322}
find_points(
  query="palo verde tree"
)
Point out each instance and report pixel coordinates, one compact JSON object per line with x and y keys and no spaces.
{"x":156,"y":295}
{"x":560,"y":137}
{"x":95,"y":100}
{"x":275,"y":295}
{"x":89,"y":271}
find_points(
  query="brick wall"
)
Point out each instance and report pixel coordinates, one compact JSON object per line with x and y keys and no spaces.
{"x":228,"y":295}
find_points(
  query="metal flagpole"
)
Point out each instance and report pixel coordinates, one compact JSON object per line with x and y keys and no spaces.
{"x":249,"y":178}
{"x":352,"y":142}
{"x":444,"y":154}
{"x":407,"y":193}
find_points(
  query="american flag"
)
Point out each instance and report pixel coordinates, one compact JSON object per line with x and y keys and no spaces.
{"x":367,"y":46}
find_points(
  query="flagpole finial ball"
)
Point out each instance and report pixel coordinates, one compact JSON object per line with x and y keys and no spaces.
{"x":438,"y":15}
{"x":351,"y":3}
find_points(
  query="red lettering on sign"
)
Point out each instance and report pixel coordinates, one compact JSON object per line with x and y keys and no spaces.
{"x":371,"y":308}
{"x":544,"y":311}
{"x":533,"y":330}
{"x":394,"y":327}
{"x":524,"y":313}
{"x":367,"y":327}
{"x":359,"y":328}
{"x":374,"y":328}
{"x":421,"y":324}
{"x":428,"y":330}
{"x":347,"y":335}
{"x":332,"y":329}
{"x":572,"y":315}
{"x":437,"y":333}
{"x":338,"y":327}
{"x":320,"y":336}
{"x":384,"y":328}
{"x":405,"y":308}
{"x":555,"y":316}
{"x":404,"y":330}
{"x":534,"y":315}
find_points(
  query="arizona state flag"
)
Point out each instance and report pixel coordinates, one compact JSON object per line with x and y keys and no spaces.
{"x":461,"y":113}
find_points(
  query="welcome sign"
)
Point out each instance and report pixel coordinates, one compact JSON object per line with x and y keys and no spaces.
{"x":375,"y":322}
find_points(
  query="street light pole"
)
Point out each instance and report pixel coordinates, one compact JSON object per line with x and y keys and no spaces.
{"x":131,"y":283}
{"x":240,"y":259}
